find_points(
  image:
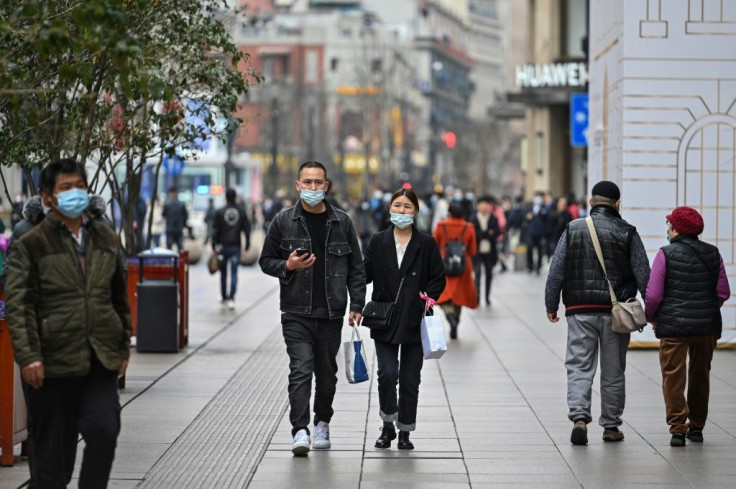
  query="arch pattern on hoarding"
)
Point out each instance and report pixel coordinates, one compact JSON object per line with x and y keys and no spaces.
{"x":693,"y":166}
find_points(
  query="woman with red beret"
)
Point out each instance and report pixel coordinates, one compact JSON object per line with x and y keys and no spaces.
{"x":687,"y":287}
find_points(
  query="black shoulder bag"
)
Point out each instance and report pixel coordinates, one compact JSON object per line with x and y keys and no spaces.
{"x":381,"y":315}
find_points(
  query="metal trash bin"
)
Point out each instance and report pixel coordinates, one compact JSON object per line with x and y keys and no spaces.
{"x":158,"y":307}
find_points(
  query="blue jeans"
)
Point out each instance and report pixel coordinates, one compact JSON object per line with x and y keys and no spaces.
{"x":231,"y":256}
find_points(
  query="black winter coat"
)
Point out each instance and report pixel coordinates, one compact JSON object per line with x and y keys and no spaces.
{"x":424,"y":271}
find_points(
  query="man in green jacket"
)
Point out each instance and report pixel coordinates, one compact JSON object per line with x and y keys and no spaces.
{"x":69,"y":320}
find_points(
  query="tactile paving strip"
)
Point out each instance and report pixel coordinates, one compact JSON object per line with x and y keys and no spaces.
{"x":224,"y":444}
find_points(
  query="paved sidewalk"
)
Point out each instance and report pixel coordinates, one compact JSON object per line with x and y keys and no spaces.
{"x":492,"y":411}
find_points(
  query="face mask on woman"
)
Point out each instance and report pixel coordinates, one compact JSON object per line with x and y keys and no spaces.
{"x":402,"y":221}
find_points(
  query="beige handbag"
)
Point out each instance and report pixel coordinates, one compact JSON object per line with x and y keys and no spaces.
{"x":626,"y":317}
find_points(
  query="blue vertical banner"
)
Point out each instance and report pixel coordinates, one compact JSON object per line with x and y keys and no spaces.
{"x":579,"y":120}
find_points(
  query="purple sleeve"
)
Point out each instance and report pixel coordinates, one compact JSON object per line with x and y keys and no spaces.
{"x":723,"y":289}
{"x":655,"y":287}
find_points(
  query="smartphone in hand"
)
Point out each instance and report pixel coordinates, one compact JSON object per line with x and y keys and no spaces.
{"x":301,"y":251}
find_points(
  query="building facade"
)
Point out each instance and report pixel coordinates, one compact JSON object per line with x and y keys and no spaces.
{"x":369,"y":87}
{"x":663,"y":117}
{"x":555,"y":69}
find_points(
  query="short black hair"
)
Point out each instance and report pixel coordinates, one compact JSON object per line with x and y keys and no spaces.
{"x":456,"y":210}
{"x":311,"y":164}
{"x":47,"y":180}
{"x":230,"y":195}
{"x":173,"y":190}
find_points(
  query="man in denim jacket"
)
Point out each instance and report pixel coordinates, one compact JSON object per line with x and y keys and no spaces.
{"x":313,"y":249}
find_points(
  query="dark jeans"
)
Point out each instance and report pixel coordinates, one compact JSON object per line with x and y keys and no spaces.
{"x":407,"y":372}
{"x":175,"y":238}
{"x":230,"y":256}
{"x":312,"y":346}
{"x":487,"y":261}
{"x":676,"y":372}
{"x":531,"y":244}
{"x":62,"y":409}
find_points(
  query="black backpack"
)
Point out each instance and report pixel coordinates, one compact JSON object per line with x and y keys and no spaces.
{"x":454,"y":259}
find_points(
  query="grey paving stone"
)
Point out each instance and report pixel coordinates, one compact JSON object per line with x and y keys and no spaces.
{"x":414,"y":485}
{"x":521,"y":481}
{"x":410,"y":465}
{"x":414,"y":477}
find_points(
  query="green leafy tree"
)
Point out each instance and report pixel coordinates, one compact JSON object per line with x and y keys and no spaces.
{"x":108,"y":82}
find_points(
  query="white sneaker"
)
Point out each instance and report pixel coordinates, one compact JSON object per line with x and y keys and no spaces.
{"x":321,"y":436}
{"x":231,"y":304}
{"x":301,"y":443}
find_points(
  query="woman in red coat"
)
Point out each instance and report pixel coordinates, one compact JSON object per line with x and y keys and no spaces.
{"x":460,"y":289}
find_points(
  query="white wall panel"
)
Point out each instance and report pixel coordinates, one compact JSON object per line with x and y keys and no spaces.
{"x":663,"y":116}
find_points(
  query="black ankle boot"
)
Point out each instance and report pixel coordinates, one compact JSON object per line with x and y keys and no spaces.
{"x":387,"y":434}
{"x":453,"y":320}
{"x":404,"y":443}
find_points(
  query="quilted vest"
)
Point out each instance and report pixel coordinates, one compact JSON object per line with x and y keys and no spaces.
{"x":690,"y":303}
{"x":585,"y":288}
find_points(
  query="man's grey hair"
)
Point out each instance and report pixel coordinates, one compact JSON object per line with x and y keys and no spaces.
{"x":598,"y":200}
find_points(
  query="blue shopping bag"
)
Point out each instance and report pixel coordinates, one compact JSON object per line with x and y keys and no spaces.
{"x":356,"y":366}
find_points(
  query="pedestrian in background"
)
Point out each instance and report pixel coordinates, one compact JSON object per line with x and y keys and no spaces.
{"x":561,"y":218}
{"x":66,"y":273}
{"x":230,"y":228}
{"x":313,"y":249}
{"x":487,"y":231}
{"x":576,"y":273}
{"x":687,"y":287}
{"x":209,"y":219}
{"x":460,"y":289}
{"x":537,"y":228}
{"x":176,"y":215}
{"x":402,"y":260}
{"x":158,"y":225}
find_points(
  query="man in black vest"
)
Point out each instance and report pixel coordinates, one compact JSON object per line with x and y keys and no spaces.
{"x":686,"y":290}
{"x":576,"y":273}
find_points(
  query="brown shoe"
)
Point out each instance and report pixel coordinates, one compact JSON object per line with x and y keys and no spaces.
{"x":612,"y":434}
{"x":579,"y":435}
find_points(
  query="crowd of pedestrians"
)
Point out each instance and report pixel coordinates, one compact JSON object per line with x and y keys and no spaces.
{"x":69,"y":316}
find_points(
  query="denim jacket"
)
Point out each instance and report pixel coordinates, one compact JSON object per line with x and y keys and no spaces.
{"x":344,"y":262}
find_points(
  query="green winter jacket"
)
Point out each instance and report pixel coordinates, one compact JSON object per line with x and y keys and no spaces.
{"x":57,"y":313}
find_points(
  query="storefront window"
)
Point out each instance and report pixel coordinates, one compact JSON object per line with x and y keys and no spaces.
{"x":575,"y":27}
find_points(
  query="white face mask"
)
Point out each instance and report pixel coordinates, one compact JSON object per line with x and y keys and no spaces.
{"x":402,"y":221}
{"x":312,"y":197}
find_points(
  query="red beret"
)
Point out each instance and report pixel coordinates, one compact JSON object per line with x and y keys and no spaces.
{"x":686,"y":221}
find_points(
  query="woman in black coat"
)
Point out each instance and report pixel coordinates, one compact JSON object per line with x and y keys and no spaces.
{"x":402,"y":251}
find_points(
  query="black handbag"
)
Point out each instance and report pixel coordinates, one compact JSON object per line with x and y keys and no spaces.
{"x":381,"y":315}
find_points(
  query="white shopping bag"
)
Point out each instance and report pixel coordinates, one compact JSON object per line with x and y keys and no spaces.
{"x":356,"y":366}
{"x":433,"y":336}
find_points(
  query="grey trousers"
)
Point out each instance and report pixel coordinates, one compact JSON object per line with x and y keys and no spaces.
{"x":586,"y":334}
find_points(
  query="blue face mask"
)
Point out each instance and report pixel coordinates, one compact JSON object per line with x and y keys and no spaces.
{"x":312,"y":197}
{"x":668,"y":238}
{"x":72,"y":202}
{"x":402,"y":221}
